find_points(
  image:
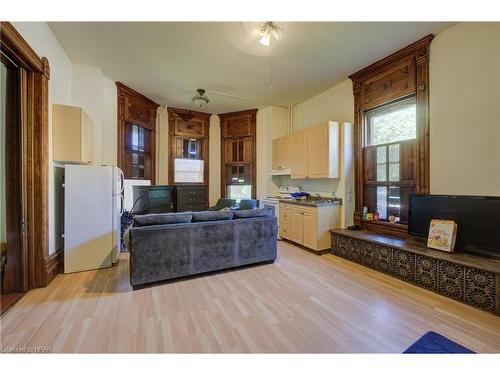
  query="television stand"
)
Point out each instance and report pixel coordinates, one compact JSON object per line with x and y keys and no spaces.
{"x":467,"y":278}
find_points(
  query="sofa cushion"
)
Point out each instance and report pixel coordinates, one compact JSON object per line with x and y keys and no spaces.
{"x":256,"y":212}
{"x":160,"y":219}
{"x":212,"y":215}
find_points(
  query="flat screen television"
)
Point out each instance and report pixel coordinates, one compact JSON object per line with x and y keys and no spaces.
{"x":477,"y":218}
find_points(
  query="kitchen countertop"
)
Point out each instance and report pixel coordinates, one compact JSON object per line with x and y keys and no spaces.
{"x":314,"y":203}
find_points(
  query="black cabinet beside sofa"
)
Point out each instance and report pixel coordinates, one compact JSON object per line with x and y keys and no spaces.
{"x":167,"y":198}
{"x":190,"y":198}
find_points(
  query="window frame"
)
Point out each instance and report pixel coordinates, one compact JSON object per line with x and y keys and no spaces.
{"x":135,"y":109}
{"x":179,"y":130}
{"x":399,"y":75}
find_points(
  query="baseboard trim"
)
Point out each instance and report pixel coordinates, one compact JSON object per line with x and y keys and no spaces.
{"x":53,"y":265}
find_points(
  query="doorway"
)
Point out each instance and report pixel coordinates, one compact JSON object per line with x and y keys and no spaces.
{"x":12,"y":245}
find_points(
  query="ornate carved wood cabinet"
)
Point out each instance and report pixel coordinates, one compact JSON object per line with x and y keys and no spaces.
{"x":466,"y":278}
{"x":238,"y":148}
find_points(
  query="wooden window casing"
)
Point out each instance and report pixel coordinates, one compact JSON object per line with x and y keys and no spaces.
{"x":238,"y":149}
{"x":139,"y":112}
{"x":399,"y":75}
{"x":185,"y":128}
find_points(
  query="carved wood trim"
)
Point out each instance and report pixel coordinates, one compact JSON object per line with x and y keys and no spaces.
{"x":251,"y":116}
{"x":175,"y":114}
{"x":54,"y":265}
{"x":34,"y":101}
{"x":417,"y":54}
{"x":133,"y":107}
{"x":18,"y":50}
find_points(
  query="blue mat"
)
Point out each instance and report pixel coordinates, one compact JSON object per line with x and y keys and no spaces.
{"x":434,"y":343}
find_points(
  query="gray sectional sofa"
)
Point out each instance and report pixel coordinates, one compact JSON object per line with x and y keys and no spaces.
{"x":168,"y":246}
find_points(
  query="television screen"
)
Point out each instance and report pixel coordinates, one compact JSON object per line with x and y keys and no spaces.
{"x":477,"y":218}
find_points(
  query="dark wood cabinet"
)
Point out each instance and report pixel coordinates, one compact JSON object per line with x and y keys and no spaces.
{"x":190,"y":198}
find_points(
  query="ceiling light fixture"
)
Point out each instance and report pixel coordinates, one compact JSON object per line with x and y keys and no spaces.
{"x":265,"y":40}
{"x":267,"y":30}
{"x":200,"y":99}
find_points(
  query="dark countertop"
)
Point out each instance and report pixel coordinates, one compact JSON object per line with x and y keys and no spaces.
{"x":314,"y":203}
{"x":464,"y":259}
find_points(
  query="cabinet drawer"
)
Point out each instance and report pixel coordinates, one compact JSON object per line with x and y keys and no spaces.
{"x":284,"y":230}
{"x":284,"y":216}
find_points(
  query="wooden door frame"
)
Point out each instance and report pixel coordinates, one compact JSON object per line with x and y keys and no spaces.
{"x":39,"y":268}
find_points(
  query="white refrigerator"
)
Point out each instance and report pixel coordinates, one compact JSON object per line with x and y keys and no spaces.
{"x":92,"y":210}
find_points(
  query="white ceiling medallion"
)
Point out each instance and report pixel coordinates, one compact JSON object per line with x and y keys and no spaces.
{"x":200,"y":98}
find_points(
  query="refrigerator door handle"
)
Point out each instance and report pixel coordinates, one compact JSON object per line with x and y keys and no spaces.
{"x":122,"y":181}
{"x":122,"y":200}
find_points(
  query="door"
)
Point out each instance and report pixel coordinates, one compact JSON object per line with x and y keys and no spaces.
{"x":88,"y":217}
{"x":299,"y":154}
{"x":13,"y":260}
{"x":285,"y":155}
{"x":296,"y":226}
{"x":276,"y":154}
{"x":318,"y":152}
{"x":310,"y":230}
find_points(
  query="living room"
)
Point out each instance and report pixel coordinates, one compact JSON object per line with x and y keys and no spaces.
{"x":250,"y":187}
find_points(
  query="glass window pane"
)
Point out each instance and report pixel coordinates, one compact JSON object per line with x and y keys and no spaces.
{"x":381,"y":155}
{"x":382,"y":202}
{"x":141,"y":142}
{"x":394,"y":172}
{"x":135,"y":137}
{"x":394,"y":201}
{"x":393,"y":122}
{"x":188,"y":170}
{"x":239,"y":192}
{"x":394,"y":153}
{"x":382,"y":172}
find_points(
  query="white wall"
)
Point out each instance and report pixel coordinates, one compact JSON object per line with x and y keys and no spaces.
{"x":271,"y":122}
{"x":109,"y":123}
{"x":336,"y":103}
{"x":86,"y":92}
{"x":161,"y":146}
{"x":214,"y":160}
{"x":465,"y":110}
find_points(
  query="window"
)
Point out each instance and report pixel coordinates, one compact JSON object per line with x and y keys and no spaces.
{"x":391,"y":135}
{"x":188,"y":170}
{"x":136,"y":134}
{"x":392,"y":122}
{"x":189,"y":165}
{"x":188,"y":154}
{"x":239,"y":192}
{"x":137,"y":152}
{"x":389,"y":158}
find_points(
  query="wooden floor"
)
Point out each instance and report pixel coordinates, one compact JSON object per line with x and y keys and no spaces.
{"x":302,"y":303}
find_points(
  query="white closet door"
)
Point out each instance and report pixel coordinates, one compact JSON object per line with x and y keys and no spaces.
{"x":88,"y":218}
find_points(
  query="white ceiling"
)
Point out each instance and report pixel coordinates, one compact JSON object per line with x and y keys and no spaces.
{"x":168,"y":61}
